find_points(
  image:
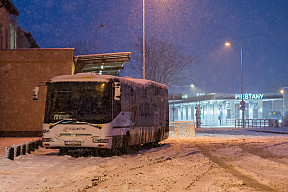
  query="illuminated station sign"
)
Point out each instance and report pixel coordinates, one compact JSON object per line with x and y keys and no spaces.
{"x":249,"y":96}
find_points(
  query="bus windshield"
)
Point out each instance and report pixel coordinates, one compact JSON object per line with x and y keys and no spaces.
{"x":89,"y":102}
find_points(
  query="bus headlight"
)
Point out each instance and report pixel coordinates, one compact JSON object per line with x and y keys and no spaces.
{"x":100,"y":140}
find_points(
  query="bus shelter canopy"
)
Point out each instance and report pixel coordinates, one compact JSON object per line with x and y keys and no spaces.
{"x":106,"y":64}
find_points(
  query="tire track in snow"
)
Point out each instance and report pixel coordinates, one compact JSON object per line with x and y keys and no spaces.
{"x":203,"y":170}
{"x":261,"y":152}
{"x":248,"y":181}
{"x":152,"y":159}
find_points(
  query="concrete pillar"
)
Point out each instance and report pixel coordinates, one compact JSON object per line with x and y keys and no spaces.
{"x":189,"y":112}
{"x":260,"y":109}
{"x":232,"y":105}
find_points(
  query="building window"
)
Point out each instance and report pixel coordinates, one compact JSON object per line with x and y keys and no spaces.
{"x":12,"y":37}
{"x":237,"y":111}
{"x":246,"y":112}
{"x":6,"y":39}
{"x":192,"y":112}
{"x":255,"y":113}
{"x":228,"y":114}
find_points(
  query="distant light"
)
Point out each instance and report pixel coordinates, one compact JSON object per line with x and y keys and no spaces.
{"x":227,"y":44}
{"x":185,"y":96}
{"x":100,"y":72}
{"x":282,"y":91}
{"x":192,"y":86}
{"x":102,"y":67}
{"x":260,"y":110}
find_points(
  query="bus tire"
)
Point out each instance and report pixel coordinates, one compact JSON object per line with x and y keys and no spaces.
{"x":116,"y":151}
{"x":157,"y":138}
{"x":63,"y":151}
{"x":126,"y":140}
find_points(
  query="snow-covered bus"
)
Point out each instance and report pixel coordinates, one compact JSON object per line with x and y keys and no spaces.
{"x":88,"y":110}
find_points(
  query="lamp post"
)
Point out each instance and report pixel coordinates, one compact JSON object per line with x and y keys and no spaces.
{"x":242,"y":102}
{"x":143,"y":39}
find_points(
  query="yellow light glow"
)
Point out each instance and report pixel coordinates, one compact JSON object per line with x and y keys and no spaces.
{"x":227,"y":44}
{"x":282,"y":91}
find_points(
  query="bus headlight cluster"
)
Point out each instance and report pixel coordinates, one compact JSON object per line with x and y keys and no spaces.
{"x":100,"y":140}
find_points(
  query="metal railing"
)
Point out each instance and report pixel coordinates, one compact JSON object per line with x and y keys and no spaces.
{"x":252,"y":123}
{"x":182,"y":128}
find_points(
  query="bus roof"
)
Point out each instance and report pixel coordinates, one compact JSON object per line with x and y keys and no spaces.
{"x":89,"y":77}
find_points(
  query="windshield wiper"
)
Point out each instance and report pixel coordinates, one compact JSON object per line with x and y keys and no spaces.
{"x":63,"y":121}
{"x":69,"y":121}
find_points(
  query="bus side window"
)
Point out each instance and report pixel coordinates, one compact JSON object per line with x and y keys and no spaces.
{"x":117,"y":91}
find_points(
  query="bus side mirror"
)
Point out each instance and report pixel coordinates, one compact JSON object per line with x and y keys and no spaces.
{"x":117,"y":92}
{"x":36,"y":93}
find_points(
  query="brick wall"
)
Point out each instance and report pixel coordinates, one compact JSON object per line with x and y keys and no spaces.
{"x":20,"y":71}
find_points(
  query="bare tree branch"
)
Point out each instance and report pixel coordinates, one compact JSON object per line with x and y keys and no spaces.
{"x":164,"y":63}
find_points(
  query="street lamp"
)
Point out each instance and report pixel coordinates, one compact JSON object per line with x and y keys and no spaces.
{"x":143,"y":39}
{"x":242,"y":102}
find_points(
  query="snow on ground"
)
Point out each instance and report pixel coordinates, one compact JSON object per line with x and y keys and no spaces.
{"x":214,"y":160}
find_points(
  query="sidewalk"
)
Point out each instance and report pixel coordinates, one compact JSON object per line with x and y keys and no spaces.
{"x":241,"y":132}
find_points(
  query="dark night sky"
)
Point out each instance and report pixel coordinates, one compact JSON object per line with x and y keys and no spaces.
{"x":197,"y":27}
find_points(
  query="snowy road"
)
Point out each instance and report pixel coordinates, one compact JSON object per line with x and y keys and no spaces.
{"x":194,"y":164}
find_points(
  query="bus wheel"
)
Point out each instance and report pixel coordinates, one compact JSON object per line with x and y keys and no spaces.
{"x":63,"y":151}
{"x":126,"y":140}
{"x":116,"y":151}
{"x":158,"y":138}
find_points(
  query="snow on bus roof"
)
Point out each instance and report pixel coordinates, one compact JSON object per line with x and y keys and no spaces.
{"x":143,"y":82}
{"x":104,"y":78}
{"x":81,"y":77}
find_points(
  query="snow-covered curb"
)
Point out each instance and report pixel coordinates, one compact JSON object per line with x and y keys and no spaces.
{"x":22,"y":149}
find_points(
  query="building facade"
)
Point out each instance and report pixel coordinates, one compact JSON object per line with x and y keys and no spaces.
{"x":12,"y":36}
{"x":222,"y":109}
{"x":20,"y":71}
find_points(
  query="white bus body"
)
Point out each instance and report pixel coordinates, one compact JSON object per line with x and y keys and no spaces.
{"x":88,"y":110}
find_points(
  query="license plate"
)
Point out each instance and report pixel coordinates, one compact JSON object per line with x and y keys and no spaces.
{"x":59,"y":117}
{"x":73,"y":143}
